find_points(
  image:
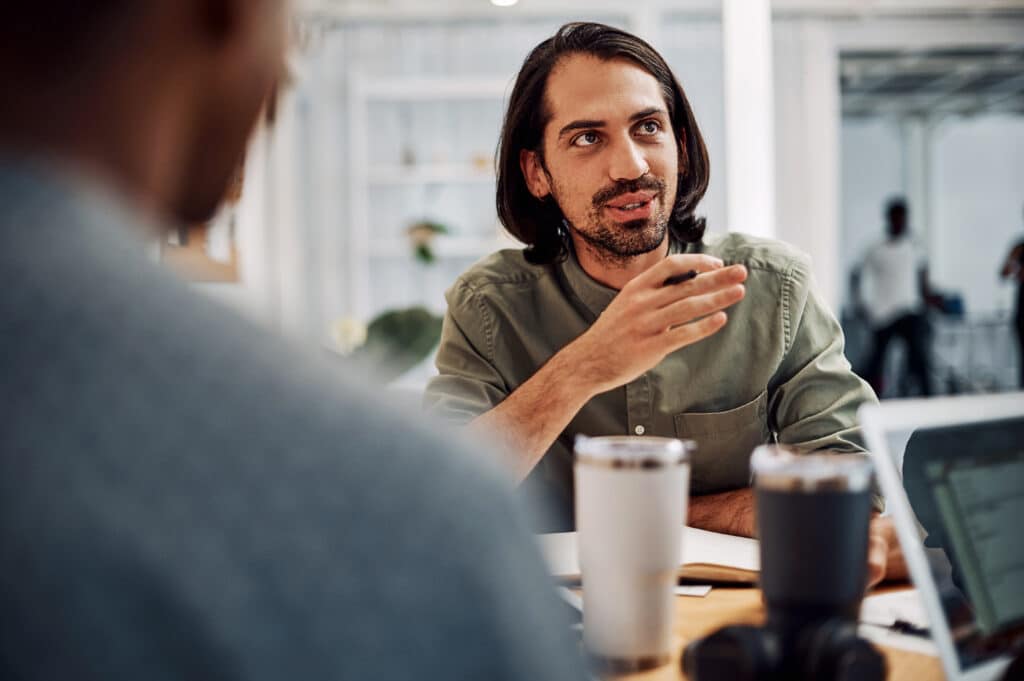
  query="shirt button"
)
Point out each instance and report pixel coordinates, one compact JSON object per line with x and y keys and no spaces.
{"x":639,"y":430}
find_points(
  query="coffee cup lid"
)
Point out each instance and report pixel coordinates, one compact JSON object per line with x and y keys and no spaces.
{"x":627,"y":451}
{"x":782,"y":468}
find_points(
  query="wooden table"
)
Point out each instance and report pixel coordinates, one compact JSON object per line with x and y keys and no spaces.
{"x":696,"y":617}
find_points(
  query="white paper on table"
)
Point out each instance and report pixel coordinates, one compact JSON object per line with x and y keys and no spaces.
{"x":697,"y":590}
{"x":885,"y":609}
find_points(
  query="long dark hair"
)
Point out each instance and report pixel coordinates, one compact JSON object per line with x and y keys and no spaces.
{"x":537,"y":222}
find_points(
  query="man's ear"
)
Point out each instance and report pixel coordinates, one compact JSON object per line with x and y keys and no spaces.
{"x":534,"y":174}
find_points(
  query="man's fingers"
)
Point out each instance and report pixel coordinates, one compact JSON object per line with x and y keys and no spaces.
{"x":688,"y":309}
{"x":688,"y":334}
{"x":878,"y":550}
{"x":895,"y":563}
{"x":702,"y":283}
{"x":676,"y":265}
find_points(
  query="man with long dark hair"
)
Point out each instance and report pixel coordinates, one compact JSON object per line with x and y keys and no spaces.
{"x":613,"y":320}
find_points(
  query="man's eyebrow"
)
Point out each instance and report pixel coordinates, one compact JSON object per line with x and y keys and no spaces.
{"x":580,"y":125}
{"x":585,"y":124}
{"x":647,"y":113}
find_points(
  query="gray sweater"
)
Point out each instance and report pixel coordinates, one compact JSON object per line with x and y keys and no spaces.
{"x":183,"y":497}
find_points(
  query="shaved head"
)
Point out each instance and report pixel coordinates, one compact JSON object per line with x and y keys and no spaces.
{"x":159,"y":96}
{"x":62,"y":37}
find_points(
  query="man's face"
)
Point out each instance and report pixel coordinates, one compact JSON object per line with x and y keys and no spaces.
{"x":243,"y":68}
{"x":610,"y":156}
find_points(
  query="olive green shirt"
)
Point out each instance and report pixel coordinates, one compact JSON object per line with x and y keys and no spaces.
{"x":775,"y":372}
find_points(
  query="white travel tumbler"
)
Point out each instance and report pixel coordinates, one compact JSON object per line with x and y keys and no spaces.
{"x":631,"y":497}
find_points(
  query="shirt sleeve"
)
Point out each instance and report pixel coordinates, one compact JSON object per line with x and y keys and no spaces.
{"x":816,"y":393}
{"x":468,"y":383}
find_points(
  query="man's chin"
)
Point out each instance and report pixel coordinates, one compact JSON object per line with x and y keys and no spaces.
{"x":623,"y":250}
{"x":638,"y":225}
{"x":644,"y":237}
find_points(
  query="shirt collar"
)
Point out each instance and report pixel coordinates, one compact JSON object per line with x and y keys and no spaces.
{"x":63,"y":183}
{"x":594,"y":295}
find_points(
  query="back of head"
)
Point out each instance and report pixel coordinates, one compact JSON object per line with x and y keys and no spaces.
{"x":158,"y":96}
{"x":536,"y":222}
{"x":58,"y":38}
{"x":896,"y":216}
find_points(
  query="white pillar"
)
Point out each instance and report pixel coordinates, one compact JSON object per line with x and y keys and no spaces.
{"x":917,"y":136}
{"x":327,"y":193}
{"x":807,"y":125}
{"x":823,"y":118}
{"x":286,"y":216}
{"x":644,"y":21}
{"x":749,"y":127}
{"x":257,"y":269}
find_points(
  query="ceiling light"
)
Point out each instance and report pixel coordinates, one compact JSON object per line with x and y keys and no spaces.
{"x":503,"y":3}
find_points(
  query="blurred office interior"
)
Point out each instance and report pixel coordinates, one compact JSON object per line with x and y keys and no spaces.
{"x":371,"y":186}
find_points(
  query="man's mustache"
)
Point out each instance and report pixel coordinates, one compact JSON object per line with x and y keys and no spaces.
{"x":644,"y":183}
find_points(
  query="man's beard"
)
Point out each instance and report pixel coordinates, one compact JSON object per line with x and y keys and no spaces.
{"x":618,"y":242}
{"x":625,"y":240}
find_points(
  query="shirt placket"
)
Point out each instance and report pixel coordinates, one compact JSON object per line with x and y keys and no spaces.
{"x":638,"y":406}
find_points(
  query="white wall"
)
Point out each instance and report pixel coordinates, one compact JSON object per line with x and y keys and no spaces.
{"x":976,"y":189}
{"x":977,"y":196}
{"x":872,"y":173}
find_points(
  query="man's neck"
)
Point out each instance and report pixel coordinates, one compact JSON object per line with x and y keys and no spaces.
{"x":613,"y":272}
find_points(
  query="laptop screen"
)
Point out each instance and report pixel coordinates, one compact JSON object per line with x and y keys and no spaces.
{"x":965,"y":485}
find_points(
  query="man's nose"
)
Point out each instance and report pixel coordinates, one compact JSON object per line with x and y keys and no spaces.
{"x":627,"y":161}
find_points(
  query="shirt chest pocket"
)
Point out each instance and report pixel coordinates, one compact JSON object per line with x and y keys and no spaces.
{"x":725,"y":441}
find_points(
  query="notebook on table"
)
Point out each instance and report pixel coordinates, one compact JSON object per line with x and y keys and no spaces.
{"x":706,"y":557}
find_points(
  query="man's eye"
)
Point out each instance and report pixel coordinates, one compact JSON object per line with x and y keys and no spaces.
{"x":650,"y":128}
{"x":585,"y":140}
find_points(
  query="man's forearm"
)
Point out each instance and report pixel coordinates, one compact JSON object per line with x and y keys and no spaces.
{"x":727,"y":512}
{"x":529,"y":420}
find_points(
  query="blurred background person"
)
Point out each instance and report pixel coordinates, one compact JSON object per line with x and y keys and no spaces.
{"x":897,"y":275}
{"x":1013,"y":269}
{"x":181,"y":496}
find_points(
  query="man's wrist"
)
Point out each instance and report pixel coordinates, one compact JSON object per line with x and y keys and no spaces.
{"x":726,"y":512}
{"x":572,"y":371}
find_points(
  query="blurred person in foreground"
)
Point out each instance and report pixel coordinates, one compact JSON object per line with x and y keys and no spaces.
{"x":181,"y":497}
{"x":621,"y":316}
{"x":1013,"y":269}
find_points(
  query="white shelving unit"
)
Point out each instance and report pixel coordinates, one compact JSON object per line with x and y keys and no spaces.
{"x":443,"y":247}
{"x":364,"y":250}
{"x":435,"y":173}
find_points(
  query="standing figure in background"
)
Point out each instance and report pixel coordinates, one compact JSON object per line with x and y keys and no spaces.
{"x":1013,"y":269}
{"x":898,"y":274}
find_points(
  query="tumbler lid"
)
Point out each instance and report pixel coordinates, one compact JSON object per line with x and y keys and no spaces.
{"x":784,"y":469}
{"x":627,"y":451}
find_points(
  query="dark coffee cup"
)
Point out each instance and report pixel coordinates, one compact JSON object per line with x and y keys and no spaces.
{"x":813,"y":512}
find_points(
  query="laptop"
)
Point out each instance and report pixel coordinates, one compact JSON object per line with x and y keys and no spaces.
{"x":952,"y":473}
